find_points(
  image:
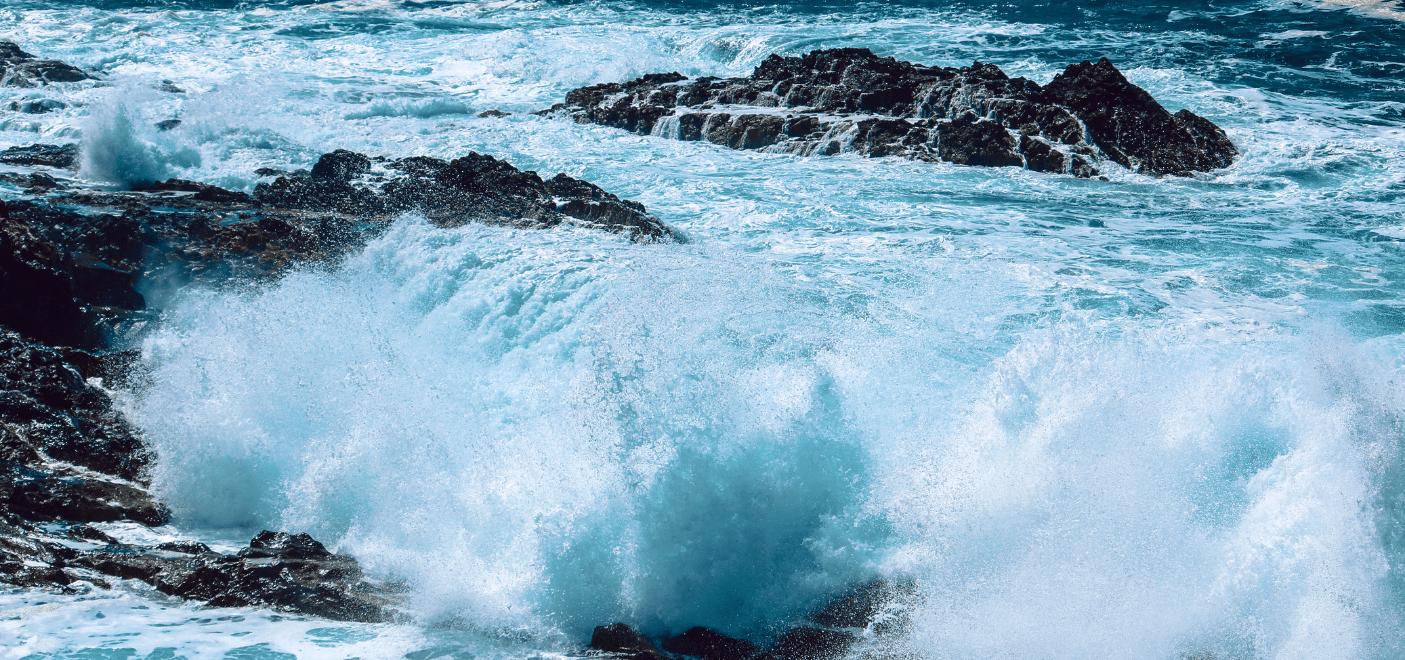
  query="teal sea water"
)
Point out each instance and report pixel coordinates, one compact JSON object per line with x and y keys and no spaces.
{"x":1141,"y":418}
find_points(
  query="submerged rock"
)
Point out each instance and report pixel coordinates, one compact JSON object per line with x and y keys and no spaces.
{"x":850,"y":100}
{"x":20,"y":69}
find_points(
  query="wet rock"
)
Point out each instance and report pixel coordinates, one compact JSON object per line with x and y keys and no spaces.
{"x":168,"y":124}
{"x":169,"y":87}
{"x":806,"y":643}
{"x":848,"y":99}
{"x":48,"y":155}
{"x":1133,"y":129}
{"x":626,"y":642}
{"x":36,"y":286}
{"x":878,"y":601}
{"x":63,"y":494}
{"x":203,"y":191}
{"x":709,"y":644}
{"x":341,"y":164}
{"x":292,"y":573}
{"x":493,"y":113}
{"x":37,"y":106}
{"x":20,"y":69}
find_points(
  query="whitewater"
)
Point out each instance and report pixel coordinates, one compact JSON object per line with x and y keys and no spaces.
{"x":1134,"y":418}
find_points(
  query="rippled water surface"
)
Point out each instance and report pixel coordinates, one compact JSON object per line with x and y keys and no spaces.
{"x":1137,"y":418}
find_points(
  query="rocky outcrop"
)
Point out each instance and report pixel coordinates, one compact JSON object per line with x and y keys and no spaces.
{"x":474,"y":188}
{"x":71,"y":264}
{"x":874,"y":609}
{"x":47,"y":155}
{"x":849,"y":100}
{"x":291,"y":573}
{"x":20,"y":69}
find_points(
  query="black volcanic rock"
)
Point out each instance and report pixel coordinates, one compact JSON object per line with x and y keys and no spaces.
{"x":281,"y":571}
{"x":850,"y":100}
{"x":341,"y":164}
{"x":49,"y":155}
{"x":20,"y":69}
{"x":1132,"y":128}
{"x":709,"y":644}
{"x":807,"y":643}
{"x":70,"y":265}
{"x":626,"y":642}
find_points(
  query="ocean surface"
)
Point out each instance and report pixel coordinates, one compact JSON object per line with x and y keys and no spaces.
{"x":1141,"y":418}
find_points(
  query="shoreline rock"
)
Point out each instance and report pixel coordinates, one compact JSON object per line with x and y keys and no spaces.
{"x":20,"y":69}
{"x":877,"y":608}
{"x":848,"y":100}
{"x":71,"y":264}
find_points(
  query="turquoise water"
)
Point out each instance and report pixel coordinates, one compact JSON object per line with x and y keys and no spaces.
{"x":1137,"y":418}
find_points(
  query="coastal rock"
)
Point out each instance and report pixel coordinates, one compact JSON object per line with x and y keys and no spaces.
{"x":709,"y":644}
{"x":48,"y":155}
{"x":807,"y":643}
{"x":20,"y":69}
{"x":71,"y":261}
{"x":874,"y":608}
{"x":474,"y":188}
{"x":849,"y":100}
{"x":625,"y":642}
{"x":291,"y":573}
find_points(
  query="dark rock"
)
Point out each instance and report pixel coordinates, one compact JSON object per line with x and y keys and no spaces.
{"x":1041,"y":156}
{"x":36,"y":286}
{"x":341,"y":164}
{"x":69,"y":267}
{"x":863,"y":605}
{"x":280,"y":544}
{"x":1133,"y":129}
{"x":968,"y":141}
{"x":64,"y":494}
{"x":709,"y":644}
{"x":203,"y":191}
{"x":626,"y":642}
{"x":34,"y":183}
{"x":37,"y":106}
{"x":167,"y":124}
{"x":49,"y":155}
{"x":90,"y":533}
{"x":493,"y":113}
{"x":20,"y":69}
{"x":806,"y":643}
{"x":289,"y":573}
{"x":184,"y":547}
{"x":169,"y":87}
{"x":973,"y":115}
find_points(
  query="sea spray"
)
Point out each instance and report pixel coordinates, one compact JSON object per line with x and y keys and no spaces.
{"x":122,"y":146}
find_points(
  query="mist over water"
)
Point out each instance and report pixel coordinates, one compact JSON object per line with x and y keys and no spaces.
{"x":1136,"y":418}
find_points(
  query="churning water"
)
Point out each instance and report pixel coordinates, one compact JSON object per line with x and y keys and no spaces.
{"x":1130,"y":419}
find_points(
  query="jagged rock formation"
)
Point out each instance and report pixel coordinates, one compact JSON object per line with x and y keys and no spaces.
{"x":876,"y":608}
{"x":292,"y":573}
{"x":849,"y":100}
{"x":47,"y":155}
{"x":70,"y":265}
{"x":475,"y":188}
{"x":20,"y":69}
